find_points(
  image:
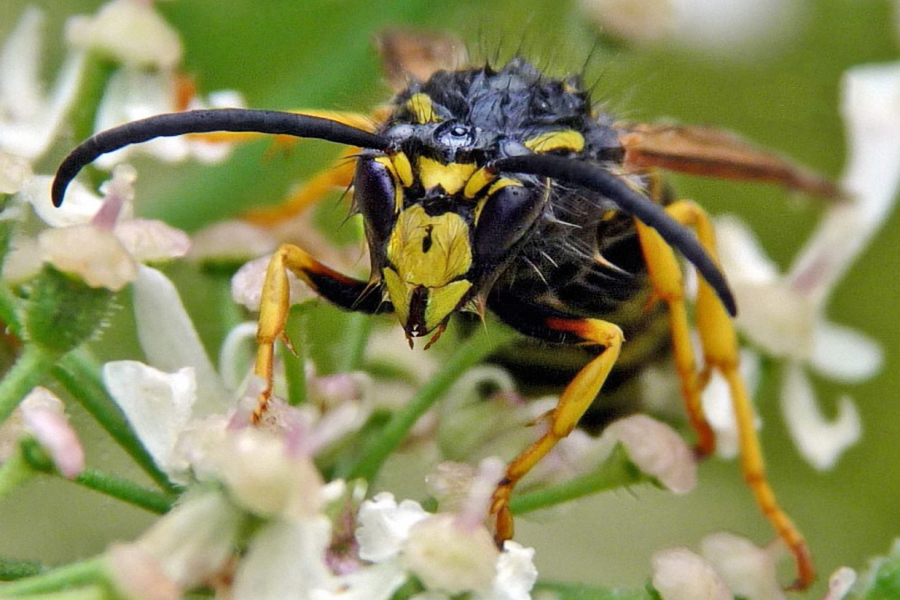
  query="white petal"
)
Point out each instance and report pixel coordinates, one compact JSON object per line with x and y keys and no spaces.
{"x":195,"y":539}
{"x":748,"y":571}
{"x":286,"y":561}
{"x":156,"y":404}
{"x":820,"y":442}
{"x":679,"y":574}
{"x":740,"y":253}
{"x":169,"y":340}
{"x":719,"y":408}
{"x":384,"y":526}
{"x":845,"y":354}
{"x":840,"y":583}
{"x":14,"y":172}
{"x":231,"y":241}
{"x":776,"y":317}
{"x":373,"y":582}
{"x":152,"y":241}
{"x":657,"y":450}
{"x":93,"y":254}
{"x":871,"y":107}
{"x":80,"y":207}
{"x":130,"y":32}
{"x":451,"y":557}
{"x":21,"y":92}
{"x":247,"y":285}
{"x":266,"y":478}
{"x":516,"y":574}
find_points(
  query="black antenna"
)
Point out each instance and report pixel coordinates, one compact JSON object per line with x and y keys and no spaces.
{"x":631,"y":202}
{"x":206,"y":121}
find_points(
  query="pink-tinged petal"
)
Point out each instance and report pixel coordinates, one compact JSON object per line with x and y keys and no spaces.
{"x":844,"y":354}
{"x":679,"y":574}
{"x":43,"y":415}
{"x":118,"y":194}
{"x":94,"y":255}
{"x":152,"y":241}
{"x":247,"y":285}
{"x":129,"y":32}
{"x":820,"y":441}
{"x":14,"y":172}
{"x":170,"y":342}
{"x":136,"y":575}
{"x":748,"y":571}
{"x":657,"y":450}
{"x":157,"y":405}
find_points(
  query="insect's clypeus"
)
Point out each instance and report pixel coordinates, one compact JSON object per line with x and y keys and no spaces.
{"x":505,"y":191}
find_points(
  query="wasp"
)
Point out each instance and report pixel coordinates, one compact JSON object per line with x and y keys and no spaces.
{"x":506,"y":191}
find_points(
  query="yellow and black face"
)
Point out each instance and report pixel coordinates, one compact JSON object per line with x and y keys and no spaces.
{"x":441,"y":224}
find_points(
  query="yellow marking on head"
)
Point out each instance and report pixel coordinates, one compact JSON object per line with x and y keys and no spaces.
{"x":400,"y":293}
{"x":478,"y":181}
{"x":568,"y":139}
{"x":398,"y":189}
{"x":451,"y":177}
{"x":403,"y":168}
{"x":429,"y":250}
{"x":499,"y":184}
{"x":422,"y":108}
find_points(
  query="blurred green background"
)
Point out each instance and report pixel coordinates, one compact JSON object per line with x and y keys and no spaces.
{"x":319,"y":53}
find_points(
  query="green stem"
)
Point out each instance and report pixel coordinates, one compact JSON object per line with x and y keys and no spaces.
{"x":10,"y":570}
{"x":468,"y":354}
{"x":80,"y":374}
{"x":27,"y":372}
{"x":125,"y":490}
{"x":616,"y":472}
{"x":9,"y":311}
{"x":295,"y":361}
{"x":359,"y":326}
{"x":577,"y":591}
{"x":14,"y":471}
{"x":72,"y":575}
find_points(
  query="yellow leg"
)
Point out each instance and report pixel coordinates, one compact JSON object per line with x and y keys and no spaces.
{"x":573,"y":402}
{"x":275,"y":305}
{"x":720,"y":352}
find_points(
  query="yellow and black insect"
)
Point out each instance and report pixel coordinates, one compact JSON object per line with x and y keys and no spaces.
{"x":505,"y":191}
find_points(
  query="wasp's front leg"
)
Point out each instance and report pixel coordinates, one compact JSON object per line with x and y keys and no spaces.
{"x":345,"y":292}
{"x":572,"y":404}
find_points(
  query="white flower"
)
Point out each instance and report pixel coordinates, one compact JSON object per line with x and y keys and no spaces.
{"x":679,"y":574}
{"x":748,"y":570}
{"x":446,"y":551}
{"x":29,"y":117}
{"x":14,"y":172}
{"x":784,"y":316}
{"x":130,"y":32}
{"x":92,"y":238}
{"x":657,"y":450}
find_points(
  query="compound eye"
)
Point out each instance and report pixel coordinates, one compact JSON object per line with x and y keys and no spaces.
{"x":454,"y":135}
{"x":507,"y":215}
{"x":374,"y":192}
